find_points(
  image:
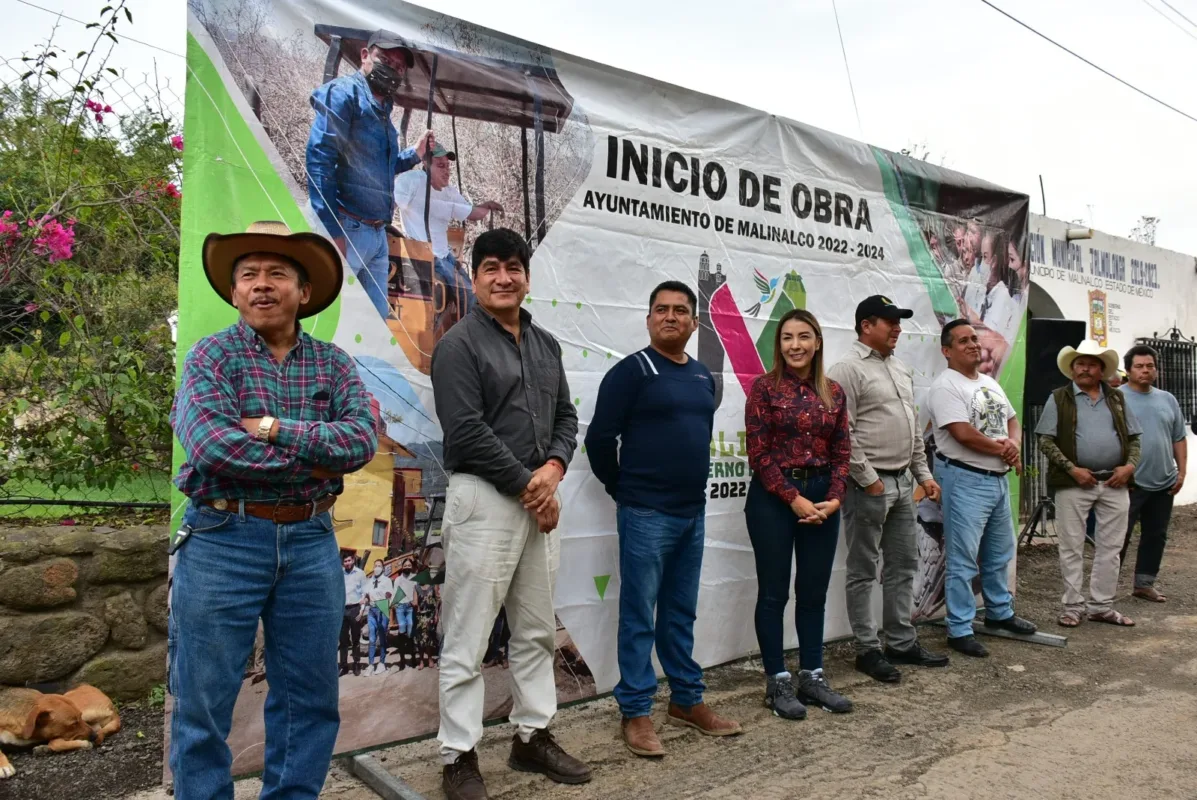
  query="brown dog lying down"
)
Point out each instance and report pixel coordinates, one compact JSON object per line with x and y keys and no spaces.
{"x":57,"y":723}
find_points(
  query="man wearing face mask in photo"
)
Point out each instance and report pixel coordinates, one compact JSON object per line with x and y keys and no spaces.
{"x":353,"y":157}
{"x":446,"y":204}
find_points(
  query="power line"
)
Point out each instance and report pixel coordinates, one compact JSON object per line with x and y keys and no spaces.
{"x":1182,"y":16}
{"x":844,"y":50}
{"x":81,"y":22}
{"x":1105,"y":72}
{"x":1179,"y":27}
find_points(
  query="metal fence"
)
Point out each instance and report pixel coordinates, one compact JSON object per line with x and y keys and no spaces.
{"x":1177,"y":369}
{"x":121,"y":94}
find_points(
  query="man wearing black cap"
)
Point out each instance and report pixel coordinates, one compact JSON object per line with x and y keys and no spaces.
{"x":353,"y":157}
{"x":446,"y":204}
{"x":270,"y":420}
{"x":879,"y":516}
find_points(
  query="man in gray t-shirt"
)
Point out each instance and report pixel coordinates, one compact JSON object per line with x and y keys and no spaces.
{"x":1161,"y":471}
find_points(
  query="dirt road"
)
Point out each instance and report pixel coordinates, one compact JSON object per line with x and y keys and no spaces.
{"x":1109,"y":716}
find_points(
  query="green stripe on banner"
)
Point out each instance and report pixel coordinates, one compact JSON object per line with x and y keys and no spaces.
{"x":1013,"y":377}
{"x":229,"y":182}
{"x":942,"y":301}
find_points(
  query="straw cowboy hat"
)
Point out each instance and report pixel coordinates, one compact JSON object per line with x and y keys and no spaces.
{"x":317,"y":255}
{"x":1108,"y":358}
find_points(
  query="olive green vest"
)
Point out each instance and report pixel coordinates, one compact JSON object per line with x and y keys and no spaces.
{"x":1057,"y":478}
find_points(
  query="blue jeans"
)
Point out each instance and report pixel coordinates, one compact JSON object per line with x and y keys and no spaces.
{"x":368,"y":254}
{"x":778,"y":540}
{"x":660,"y":559}
{"x":459,"y":288}
{"x":234,"y":570}
{"x":403,"y":619}
{"x":977,"y":528}
{"x":378,"y":623}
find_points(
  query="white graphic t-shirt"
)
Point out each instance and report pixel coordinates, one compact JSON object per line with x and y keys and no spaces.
{"x":981,"y":403}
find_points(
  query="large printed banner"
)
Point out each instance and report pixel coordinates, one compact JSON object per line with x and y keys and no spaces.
{"x":619,"y":182}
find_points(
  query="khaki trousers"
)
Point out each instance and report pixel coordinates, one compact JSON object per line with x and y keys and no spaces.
{"x":1072,"y":513}
{"x":495,"y":555}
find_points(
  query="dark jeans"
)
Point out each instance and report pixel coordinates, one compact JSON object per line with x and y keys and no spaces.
{"x":660,"y":559}
{"x":1153,"y":512}
{"x":779,"y":539}
{"x":351,"y":636}
{"x":234,"y":570}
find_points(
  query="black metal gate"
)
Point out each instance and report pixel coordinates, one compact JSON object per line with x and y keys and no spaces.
{"x":1177,"y":369}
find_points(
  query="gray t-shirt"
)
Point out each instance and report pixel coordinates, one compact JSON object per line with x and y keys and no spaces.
{"x":1163,"y":425}
{"x":980,"y":402}
{"x":1097,"y":445}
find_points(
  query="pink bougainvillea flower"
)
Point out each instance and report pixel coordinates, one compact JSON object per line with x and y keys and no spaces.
{"x":92,"y":105}
{"x":54,"y":240}
{"x":176,"y":142}
{"x":30,"y":308}
{"x":108,"y":110}
{"x":172,"y":191}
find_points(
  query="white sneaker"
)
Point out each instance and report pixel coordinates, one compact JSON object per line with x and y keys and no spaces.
{"x":380,"y":669}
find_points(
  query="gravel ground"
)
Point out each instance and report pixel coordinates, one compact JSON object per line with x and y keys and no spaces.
{"x":1109,"y":716}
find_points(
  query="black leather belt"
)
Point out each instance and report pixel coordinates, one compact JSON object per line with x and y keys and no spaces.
{"x":1103,"y":476}
{"x":891,"y":473}
{"x":970,"y":468}
{"x":803,"y":473}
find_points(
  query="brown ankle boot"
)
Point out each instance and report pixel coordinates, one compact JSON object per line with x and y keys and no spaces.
{"x":461,"y":780}
{"x":542,"y":754}
{"x":703,"y":719}
{"x":640,"y":737}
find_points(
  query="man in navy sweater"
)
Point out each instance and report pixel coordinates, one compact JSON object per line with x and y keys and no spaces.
{"x":649,"y":445}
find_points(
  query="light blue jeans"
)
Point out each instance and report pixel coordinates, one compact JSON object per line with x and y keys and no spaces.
{"x":368,"y":254}
{"x":978,"y":533}
{"x":403,"y":619}
{"x":234,"y":570}
{"x":660,"y":560}
{"x":377,"y":622}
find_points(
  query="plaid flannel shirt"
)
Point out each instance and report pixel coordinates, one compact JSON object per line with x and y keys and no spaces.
{"x":323,"y":410}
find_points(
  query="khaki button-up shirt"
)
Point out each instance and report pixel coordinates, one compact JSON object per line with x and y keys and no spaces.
{"x":881,"y":414}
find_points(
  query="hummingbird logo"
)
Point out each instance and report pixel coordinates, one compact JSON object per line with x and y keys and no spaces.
{"x":767,"y":287}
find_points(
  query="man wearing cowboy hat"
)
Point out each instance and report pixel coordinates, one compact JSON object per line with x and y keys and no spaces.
{"x":1091,"y":440}
{"x":269,"y":420}
{"x":445,"y":205}
{"x":353,"y":157}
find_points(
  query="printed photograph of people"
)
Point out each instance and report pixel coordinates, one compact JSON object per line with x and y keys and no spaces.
{"x":405,"y":147}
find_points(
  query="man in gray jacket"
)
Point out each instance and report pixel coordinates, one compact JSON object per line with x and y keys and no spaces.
{"x":879,"y":516}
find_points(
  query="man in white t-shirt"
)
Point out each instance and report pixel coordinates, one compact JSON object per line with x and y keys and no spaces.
{"x":445,"y":205}
{"x":977,"y":441}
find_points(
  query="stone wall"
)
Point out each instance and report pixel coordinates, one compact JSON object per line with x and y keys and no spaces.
{"x":82,"y":605}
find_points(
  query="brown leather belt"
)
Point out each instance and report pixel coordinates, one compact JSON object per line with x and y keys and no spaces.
{"x":279,"y":513}
{"x":373,"y":223}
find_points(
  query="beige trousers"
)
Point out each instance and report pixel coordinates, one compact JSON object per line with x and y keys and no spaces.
{"x":1072,"y":514}
{"x":494,"y":555}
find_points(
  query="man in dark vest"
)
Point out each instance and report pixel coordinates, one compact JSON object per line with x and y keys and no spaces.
{"x":1091,"y":440}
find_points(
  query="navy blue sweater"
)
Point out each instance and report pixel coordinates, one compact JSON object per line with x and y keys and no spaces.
{"x":650,"y":439}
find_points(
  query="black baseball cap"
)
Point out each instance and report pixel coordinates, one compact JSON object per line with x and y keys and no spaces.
{"x":389,"y":41}
{"x":881,"y":306}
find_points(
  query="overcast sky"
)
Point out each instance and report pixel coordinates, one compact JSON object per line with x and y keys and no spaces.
{"x":982,"y":93}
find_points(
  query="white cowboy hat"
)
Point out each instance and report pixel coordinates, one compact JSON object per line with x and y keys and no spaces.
{"x":317,"y":255}
{"x":1107,"y":356}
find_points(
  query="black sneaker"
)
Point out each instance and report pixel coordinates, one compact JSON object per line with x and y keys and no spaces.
{"x":917,"y":655}
{"x":873,"y":664}
{"x":1014,"y":624}
{"x":461,"y":780}
{"x":813,"y":690}
{"x":779,"y":696}
{"x":968,"y":645}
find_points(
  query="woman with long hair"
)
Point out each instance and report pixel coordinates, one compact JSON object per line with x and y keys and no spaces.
{"x":798,"y":449}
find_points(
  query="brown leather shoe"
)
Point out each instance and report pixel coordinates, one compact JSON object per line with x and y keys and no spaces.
{"x":640,"y":737}
{"x":703,"y":719}
{"x":542,"y":754}
{"x":461,"y":780}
